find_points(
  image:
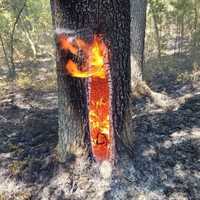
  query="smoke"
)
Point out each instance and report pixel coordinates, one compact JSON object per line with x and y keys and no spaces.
{"x":85,"y":32}
{"x":59,"y":31}
{"x":106,"y":169}
{"x":71,"y":35}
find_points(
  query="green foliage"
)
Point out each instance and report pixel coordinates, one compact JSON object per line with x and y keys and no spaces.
{"x":33,"y":33}
{"x":157,"y":7}
{"x":177,"y":22}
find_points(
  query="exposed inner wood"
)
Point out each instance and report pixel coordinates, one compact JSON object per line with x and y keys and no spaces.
{"x":99,"y":118}
{"x":95,"y":68}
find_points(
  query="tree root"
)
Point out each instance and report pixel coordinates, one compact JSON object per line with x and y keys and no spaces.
{"x":161,"y":100}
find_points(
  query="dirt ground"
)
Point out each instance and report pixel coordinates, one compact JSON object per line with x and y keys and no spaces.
{"x":165,"y":164}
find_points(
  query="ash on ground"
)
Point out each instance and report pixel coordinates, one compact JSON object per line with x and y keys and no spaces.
{"x":165,"y":164}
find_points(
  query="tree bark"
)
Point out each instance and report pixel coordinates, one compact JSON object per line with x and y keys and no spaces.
{"x":138,"y":25}
{"x":111,"y":19}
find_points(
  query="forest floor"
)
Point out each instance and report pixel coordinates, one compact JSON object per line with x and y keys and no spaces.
{"x":165,"y":164}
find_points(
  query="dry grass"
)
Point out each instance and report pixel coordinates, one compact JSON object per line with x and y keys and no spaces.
{"x":16,"y":166}
{"x":4,"y":85}
{"x":190,"y":76}
{"x":39,"y":78}
{"x":41,"y":82}
{"x":24,"y":80}
{"x":47,"y":84}
{"x":2,"y":196}
{"x":16,"y":196}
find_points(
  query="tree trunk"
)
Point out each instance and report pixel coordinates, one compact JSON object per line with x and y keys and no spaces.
{"x":138,"y":24}
{"x":5,"y":53}
{"x":182,"y":34}
{"x":84,"y":19}
{"x":176,"y":46}
{"x":26,"y":26}
{"x":195,"y":15}
{"x":32,"y":45}
{"x":157,"y":38}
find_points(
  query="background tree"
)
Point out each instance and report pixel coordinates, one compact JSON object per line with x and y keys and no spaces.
{"x":10,"y":43}
{"x":138,"y":24}
{"x":156,"y":9}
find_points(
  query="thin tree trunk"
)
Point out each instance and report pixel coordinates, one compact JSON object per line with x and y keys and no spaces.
{"x":195,"y":15}
{"x":32,"y":45}
{"x":182,"y":35}
{"x":177,"y":35}
{"x":5,"y":53}
{"x":195,"y":27}
{"x":28,"y":36}
{"x":110,"y":19}
{"x":194,"y":52}
{"x":157,"y":36}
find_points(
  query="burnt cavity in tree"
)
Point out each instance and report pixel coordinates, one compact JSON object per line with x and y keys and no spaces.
{"x":95,"y":67}
{"x":85,"y":19}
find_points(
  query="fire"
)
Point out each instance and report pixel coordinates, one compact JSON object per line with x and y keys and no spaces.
{"x":94,"y":66}
{"x":96,"y":55}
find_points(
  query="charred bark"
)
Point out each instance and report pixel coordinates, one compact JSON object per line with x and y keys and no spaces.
{"x":111,"y":19}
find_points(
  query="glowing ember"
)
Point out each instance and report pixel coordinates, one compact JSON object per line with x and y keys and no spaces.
{"x":94,"y":67}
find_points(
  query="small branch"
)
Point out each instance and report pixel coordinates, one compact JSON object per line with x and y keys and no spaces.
{"x":28,"y":36}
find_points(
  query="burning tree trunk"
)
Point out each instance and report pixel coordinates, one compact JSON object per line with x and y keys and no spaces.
{"x":93,"y":68}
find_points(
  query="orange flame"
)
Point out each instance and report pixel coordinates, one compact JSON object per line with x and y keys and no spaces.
{"x":93,"y":67}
